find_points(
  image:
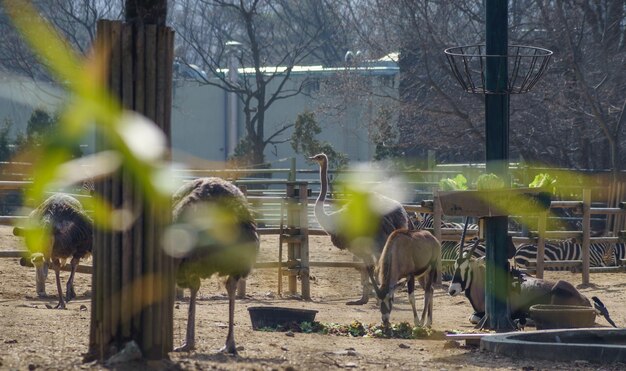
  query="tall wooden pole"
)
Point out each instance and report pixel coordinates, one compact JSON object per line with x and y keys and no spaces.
{"x":133,"y":278}
{"x":497,"y":158}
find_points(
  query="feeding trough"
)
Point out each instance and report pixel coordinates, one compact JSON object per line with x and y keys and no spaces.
{"x":275,"y":317}
{"x":495,"y":202}
{"x":548,"y":316}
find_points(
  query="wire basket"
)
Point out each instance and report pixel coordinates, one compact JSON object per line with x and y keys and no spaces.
{"x":526,"y":65}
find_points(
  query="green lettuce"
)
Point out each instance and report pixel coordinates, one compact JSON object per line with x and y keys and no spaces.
{"x":458,"y":183}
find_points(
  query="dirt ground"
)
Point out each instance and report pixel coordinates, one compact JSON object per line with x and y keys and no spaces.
{"x":35,"y":337}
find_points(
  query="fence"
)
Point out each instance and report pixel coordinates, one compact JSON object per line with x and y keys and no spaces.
{"x":283,"y":206}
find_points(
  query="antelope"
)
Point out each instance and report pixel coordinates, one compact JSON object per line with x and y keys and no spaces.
{"x":469,"y":277}
{"x":408,"y":254}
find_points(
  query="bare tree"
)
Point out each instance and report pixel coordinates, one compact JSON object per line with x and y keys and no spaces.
{"x":75,"y":20}
{"x":572,"y":118}
{"x":268,"y":33}
{"x":590,"y":88}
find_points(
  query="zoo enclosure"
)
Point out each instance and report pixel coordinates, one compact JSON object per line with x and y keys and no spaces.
{"x":282,"y":201}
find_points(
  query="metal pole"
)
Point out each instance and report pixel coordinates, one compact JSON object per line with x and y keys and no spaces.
{"x":586,"y":233}
{"x":233,"y":114}
{"x":497,"y":156}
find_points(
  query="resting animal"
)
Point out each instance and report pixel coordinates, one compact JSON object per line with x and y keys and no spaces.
{"x":469,"y":277}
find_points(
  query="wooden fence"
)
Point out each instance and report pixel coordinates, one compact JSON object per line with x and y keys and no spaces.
{"x":283,"y":211}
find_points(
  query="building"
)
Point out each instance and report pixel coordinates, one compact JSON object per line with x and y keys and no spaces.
{"x":205,"y":125}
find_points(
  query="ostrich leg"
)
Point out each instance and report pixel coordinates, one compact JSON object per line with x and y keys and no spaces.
{"x":56,"y":265}
{"x":231,"y":288}
{"x":190,"y":337}
{"x":365,"y":283}
{"x":41,"y":266}
{"x":69,"y":292}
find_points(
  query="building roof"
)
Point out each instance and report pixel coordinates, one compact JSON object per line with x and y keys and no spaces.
{"x":385,"y":66}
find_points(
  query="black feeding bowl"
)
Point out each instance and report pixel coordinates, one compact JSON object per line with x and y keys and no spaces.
{"x":547,"y":316}
{"x":273,"y":317}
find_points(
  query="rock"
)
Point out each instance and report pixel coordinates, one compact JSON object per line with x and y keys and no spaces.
{"x":404,"y":346}
{"x":131,"y":352}
{"x":289,"y":333}
{"x":83,"y":308}
{"x":10,"y":341}
{"x":350,"y":365}
{"x":32,"y":367}
{"x":284,"y":348}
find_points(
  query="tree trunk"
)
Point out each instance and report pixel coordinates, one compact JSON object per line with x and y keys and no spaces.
{"x":146,"y":11}
{"x":133,"y":278}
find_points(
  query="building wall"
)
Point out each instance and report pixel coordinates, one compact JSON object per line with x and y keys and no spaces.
{"x":199,"y":118}
{"x":345,"y":121}
{"x":198,"y":121}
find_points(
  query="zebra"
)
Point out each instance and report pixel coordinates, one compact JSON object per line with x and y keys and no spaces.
{"x":614,"y":253}
{"x":427,"y":221}
{"x":600,"y":254}
{"x":449,"y":249}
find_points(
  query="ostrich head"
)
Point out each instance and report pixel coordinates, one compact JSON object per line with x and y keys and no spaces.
{"x":320,"y":158}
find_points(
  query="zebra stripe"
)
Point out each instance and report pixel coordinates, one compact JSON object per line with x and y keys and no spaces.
{"x":450,"y":251}
{"x":614,"y":254}
{"x":557,"y":250}
{"x":427,"y":221}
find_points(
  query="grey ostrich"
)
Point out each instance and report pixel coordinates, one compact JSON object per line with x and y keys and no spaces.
{"x":70,"y":236}
{"x":369,"y":247}
{"x":215,"y":215}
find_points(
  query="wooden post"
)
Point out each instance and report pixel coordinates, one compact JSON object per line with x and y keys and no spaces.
{"x":586,"y":233}
{"x":437,"y":215}
{"x":291,"y":247}
{"x":304,"y":242}
{"x":132,"y":277}
{"x":541,"y":243}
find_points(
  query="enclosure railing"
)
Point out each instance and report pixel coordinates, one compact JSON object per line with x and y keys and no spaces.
{"x":268,"y":197}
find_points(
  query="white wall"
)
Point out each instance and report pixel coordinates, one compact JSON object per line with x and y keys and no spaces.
{"x":199,"y":119}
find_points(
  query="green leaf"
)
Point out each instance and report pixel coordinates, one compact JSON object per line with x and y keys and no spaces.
{"x":543,"y":180}
{"x":458,"y":183}
{"x":489,"y":181}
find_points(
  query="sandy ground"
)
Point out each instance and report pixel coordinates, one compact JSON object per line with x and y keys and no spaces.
{"x":35,"y":337}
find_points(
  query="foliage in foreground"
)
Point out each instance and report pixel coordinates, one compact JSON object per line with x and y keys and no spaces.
{"x":402,"y":330}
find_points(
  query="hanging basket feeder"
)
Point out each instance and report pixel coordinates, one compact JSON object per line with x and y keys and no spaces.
{"x":525,"y":66}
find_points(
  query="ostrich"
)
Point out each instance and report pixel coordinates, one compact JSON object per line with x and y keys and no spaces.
{"x":71,"y":236}
{"x":214,"y":215}
{"x":393,"y":217}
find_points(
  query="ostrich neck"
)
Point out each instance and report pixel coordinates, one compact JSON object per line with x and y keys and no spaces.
{"x":320,"y":214}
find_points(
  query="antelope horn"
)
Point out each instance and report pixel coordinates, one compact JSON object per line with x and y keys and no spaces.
{"x":463,"y":237}
{"x":471,"y":251}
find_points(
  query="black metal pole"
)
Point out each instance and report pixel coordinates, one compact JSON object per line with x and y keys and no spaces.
{"x":497,"y":158}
